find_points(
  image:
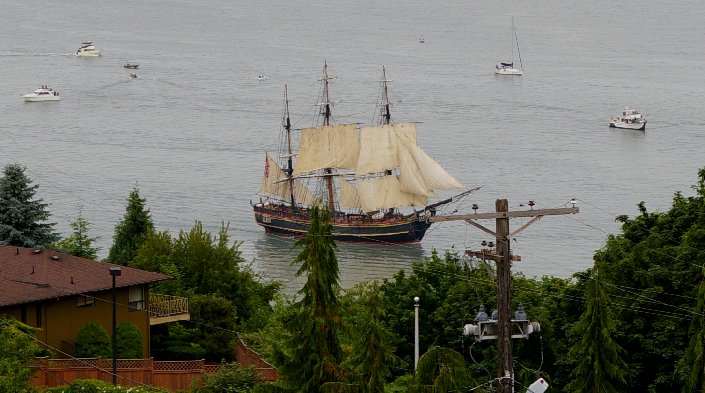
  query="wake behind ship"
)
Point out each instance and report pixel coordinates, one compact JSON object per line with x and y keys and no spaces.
{"x":364,"y":177}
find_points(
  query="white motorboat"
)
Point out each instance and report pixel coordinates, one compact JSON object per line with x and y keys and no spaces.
{"x":630,"y":119}
{"x":261,"y":78}
{"x":43,"y":93}
{"x":87,"y":49}
{"x":508,"y":68}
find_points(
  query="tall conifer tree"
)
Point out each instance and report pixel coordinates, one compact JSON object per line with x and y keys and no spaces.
{"x":314,"y":350}
{"x":22,"y":217}
{"x":599,"y":364}
{"x":78,"y":243}
{"x":132,"y":231}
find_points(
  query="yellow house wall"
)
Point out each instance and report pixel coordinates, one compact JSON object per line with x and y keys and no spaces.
{"x":61,"y":318}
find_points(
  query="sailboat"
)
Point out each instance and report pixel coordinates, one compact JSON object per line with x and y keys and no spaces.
{"x":508,"y":68}
{"x":366,"y":177}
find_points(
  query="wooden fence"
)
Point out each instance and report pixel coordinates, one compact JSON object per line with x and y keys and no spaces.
{"x":171,"y":375}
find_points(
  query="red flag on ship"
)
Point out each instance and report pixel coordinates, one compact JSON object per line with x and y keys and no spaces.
{"x":266,"y":168}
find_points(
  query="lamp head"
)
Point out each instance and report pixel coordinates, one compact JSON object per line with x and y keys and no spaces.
{"x":115,"y":271}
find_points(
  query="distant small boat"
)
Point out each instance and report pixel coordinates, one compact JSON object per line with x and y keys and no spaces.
{"x":422,"y":40}
{"x":133,"y":76}
{"x":630,"y":119}
{"x":131,"y":66}
{"x":508,"y":68}
{"x":43,"y":93}
{"x":87,"y":49}
{"x":261,"y":78}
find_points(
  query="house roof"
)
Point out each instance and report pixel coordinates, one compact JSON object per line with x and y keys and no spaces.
{"x":28,"y":275}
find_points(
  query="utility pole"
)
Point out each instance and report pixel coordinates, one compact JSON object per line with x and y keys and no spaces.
{"x":502,"y":255}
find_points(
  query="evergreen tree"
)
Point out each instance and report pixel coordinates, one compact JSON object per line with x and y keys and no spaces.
{"x":694,"y":358}
{"x":23,"y":218}
{"x":78,"y":243}
{"x":599,"y":364}
{"x":374,"y":354}
{"x":315,"y":351}
{"x":129,"y":341}
{"x":132,"y":231}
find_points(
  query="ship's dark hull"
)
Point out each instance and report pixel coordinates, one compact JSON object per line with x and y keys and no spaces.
{"x":346,"y":228}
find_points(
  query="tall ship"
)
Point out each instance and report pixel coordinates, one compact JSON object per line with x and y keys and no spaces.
{"x":375,"y":180}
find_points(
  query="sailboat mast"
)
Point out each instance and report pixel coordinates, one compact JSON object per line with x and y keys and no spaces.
{"x":326,"y":122}
{"x":386,"y":117}
{"x":516,"y":39}
{"x":326,"y":97}
{"x":289,"y":166}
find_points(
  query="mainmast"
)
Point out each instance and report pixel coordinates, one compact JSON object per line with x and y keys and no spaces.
{"x":386,"y":115}
{"x":287,"y":126}
{"x":326,"y":112}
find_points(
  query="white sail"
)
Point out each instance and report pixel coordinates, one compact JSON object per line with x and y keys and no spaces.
{"x":421,"y":174}
{"x":327,"y":147}
{"x":384,"y":193}
{"x":379,"y":146}
{"x":349,"y":197}
{"x":274,"y":182}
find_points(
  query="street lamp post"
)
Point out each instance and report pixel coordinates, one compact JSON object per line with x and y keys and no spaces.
{"x":416,"y":332}
{"x":115,"y":271}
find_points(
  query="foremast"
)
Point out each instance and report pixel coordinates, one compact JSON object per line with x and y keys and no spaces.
{"x":289,"y":164}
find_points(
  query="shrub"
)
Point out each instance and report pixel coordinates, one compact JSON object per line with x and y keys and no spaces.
{"x":129,"y":341}
{"x":96,"y":386}
{"x":231,"y":378}
{"x":92,"y":341}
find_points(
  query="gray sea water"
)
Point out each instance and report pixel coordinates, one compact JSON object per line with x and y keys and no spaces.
{"x":191,"y":131}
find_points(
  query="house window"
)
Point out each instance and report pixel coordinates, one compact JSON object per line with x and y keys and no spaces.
{"x":136,"y":298}
{"x":84,"y":300}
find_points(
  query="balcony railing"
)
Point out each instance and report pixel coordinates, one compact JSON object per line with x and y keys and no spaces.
{"x":166,"y":308}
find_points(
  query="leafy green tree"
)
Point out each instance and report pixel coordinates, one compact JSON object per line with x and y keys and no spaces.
{"x":17,"y":348}
{"x":204,"y":264}
{"x":215,"y":318}
{"x":314,"y":353}
{"x":78,"y":243}
{"x":132,"y":231}
{"x":22,"y":217}
{"x":599,"y":365}
{"x":92,"y":341}
{"x":443,"y":370}
{"x":129,"y":341}
{"x":693,"y":361}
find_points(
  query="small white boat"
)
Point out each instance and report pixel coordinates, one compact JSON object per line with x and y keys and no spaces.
{"x":630,"y":119}
{"x":133,"y":76}
{"x":87,"y":49}
{"x":43,"y":93}
{"x":508,"y":68}
{"x":261,"y":78}
{"x":421,"y":40}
